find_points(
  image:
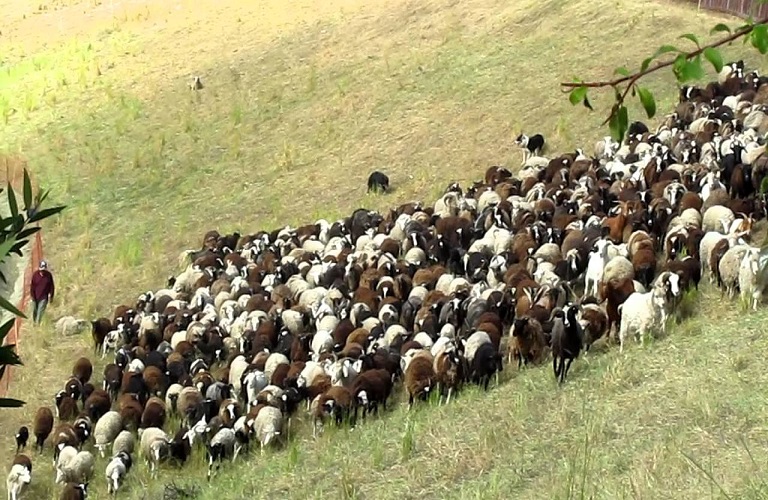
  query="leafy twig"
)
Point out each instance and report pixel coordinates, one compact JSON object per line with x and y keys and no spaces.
{"x":686,"y":66}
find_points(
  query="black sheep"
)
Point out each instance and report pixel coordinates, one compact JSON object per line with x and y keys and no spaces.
{"x":485,"y":363}
{"x":21,"y":438}
{"x":566,"y":340}
{"x":378,"y":181}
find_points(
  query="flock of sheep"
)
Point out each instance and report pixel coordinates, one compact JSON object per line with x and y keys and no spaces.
{"x":330,"y":319}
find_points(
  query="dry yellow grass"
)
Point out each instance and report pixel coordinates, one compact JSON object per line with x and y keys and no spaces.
{"x":301,"y":102}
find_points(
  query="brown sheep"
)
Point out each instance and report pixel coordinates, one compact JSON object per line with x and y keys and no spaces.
{"x":63,"y":434}
{"x":528,"y":343}
{"x":449,"y":374}
{"x":130,"y":410}
{"x":42,"y":426}
{"x":154,"y":413}
{"x":99,"y":330}
{"x":615,"y":293}
{"x":74,"y":491}
{"x":420,"y":378}
{"x":594,"y":322}
{"x":644,"y":262}
{"x":336,"y":402}
{"x":66,"y":406}
{"x":370,"y":389}
{"x":97,"y":404}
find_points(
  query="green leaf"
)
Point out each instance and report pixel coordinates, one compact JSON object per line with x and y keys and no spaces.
{"x":5,"y":247}
{"x":664,"y":49}
{"x":759,"y":38}
{"x":691,"y":37}
{"x":618,"y":122}
{"x":12,"y":201}
{"x":4,"y":304}
{"x":587,"y":104}
{"x":27,"y":190}
{"x":577,"y":95}
{"x":5,"y":328}
{"x":11,"y":403}
{"x":714,"y":57}
{"x":647,"y":100}
{"x":8,"y":355}
{"x":720,"y":27}
{"x":45,"y":213}
{"x":686,"y":70}
{"x":623,"y":71}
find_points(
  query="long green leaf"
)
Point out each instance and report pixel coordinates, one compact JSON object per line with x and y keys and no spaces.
{"x":714,"y":57}
{"x":12,"y":202}
{"x":8,"y":355}
{"x":5,"y":247}
{"x":27,"y":190}
{"x":647,"y":100}
{"x":45,"y":213}
{"x":11,"y":403}
{"x":5,"y":304}
{"x":5,"y":328}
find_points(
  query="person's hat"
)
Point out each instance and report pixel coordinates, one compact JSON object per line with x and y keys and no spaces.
{"x":43,"y":264}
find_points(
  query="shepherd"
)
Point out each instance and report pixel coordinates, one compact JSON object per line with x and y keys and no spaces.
{"x":41,"y":291}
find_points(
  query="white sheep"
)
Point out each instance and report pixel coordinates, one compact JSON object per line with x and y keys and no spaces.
{"x":77,"y":469}
{"x":268,"y":425}
{"x":595,"y":268}
{"x":18,"y":479}
{"x":751,"y":286}
{"x":322,"y":341}
{"x":273,"y":361}
{"x":236,"y":370}
{"x":154,"y":443}
{"x":106,"y":430}
{"x":729,"y":268}
{"x":344,"y":371}
{"x":618,"y":268}
{"x":69,"y":325}
{"x":717,"y":218}
{"x":124,"y":442}
{"x":641,"y":313}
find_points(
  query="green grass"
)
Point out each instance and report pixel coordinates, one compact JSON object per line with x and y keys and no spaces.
{"x":286,"y":130}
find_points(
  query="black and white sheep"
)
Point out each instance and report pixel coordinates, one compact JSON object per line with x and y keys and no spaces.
{"x":116,"y":470}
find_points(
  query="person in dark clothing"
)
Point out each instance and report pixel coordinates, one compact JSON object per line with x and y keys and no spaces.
{"x":41,"y":291}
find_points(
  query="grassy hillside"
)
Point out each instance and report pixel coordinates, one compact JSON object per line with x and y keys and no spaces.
{"x":300,"y":104}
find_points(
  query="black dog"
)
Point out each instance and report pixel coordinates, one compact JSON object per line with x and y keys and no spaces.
{"x":378,"y":181}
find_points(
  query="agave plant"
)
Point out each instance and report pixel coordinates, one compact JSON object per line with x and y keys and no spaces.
{"x":15,"y":231}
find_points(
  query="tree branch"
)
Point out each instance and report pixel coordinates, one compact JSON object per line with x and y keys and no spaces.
{"x":632,"y":79}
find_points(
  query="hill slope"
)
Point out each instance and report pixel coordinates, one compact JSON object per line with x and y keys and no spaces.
{"x":300,"y":104}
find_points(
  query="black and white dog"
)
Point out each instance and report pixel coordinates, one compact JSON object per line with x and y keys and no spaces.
{"x":532,"y":146}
